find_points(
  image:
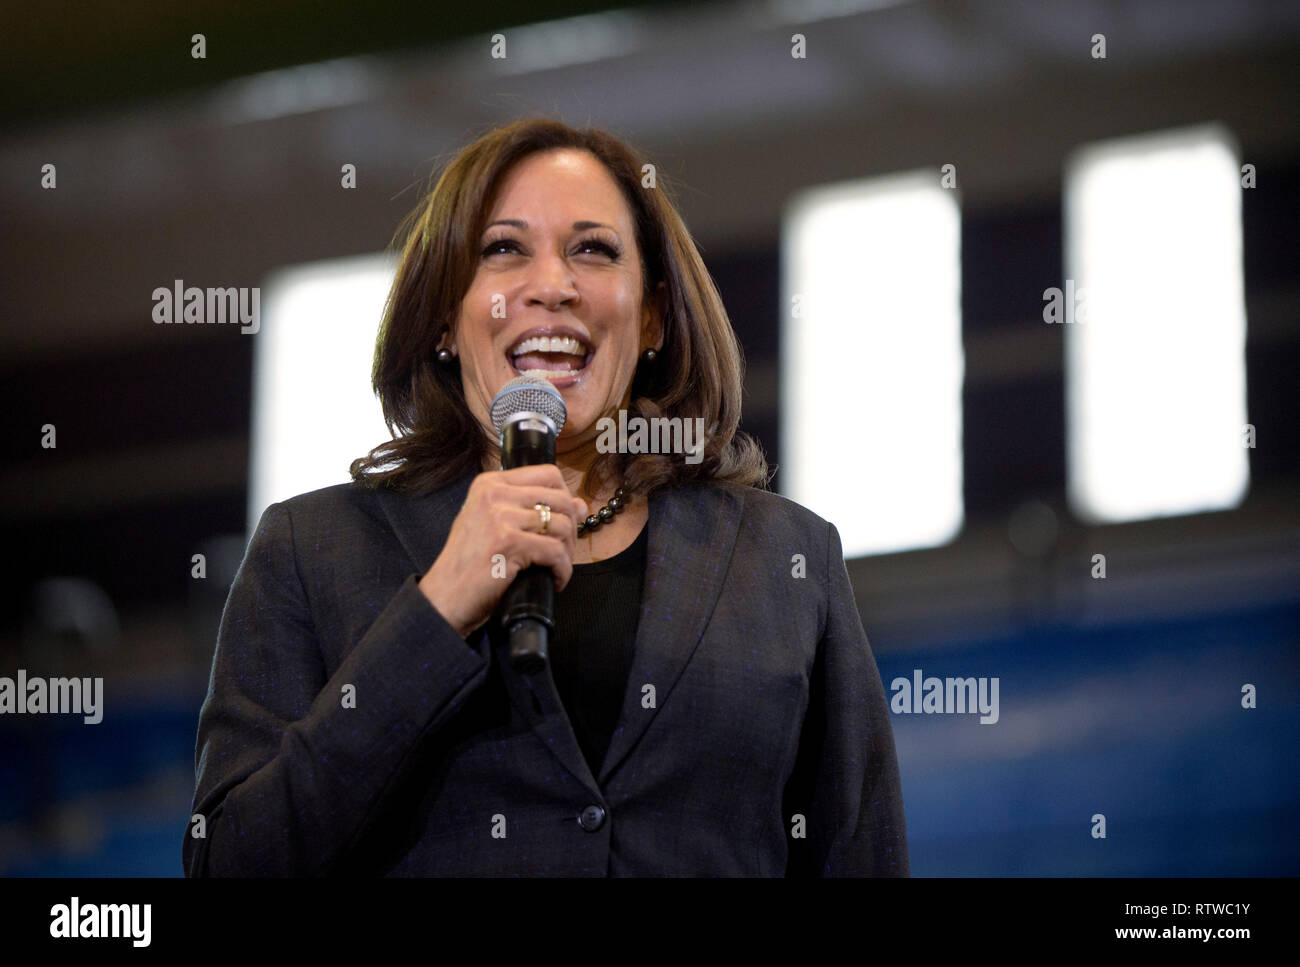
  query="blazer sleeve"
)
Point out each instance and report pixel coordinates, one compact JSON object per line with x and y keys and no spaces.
{"x":287,"y":774}
{"x":845,"y":782}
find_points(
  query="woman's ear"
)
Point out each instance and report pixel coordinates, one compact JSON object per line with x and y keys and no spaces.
{"x":656,"y":310}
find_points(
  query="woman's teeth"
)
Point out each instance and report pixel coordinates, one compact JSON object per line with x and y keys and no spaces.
{"x":549,"y":356}
{"x":550,"y":344}
{"x":550,"y":373}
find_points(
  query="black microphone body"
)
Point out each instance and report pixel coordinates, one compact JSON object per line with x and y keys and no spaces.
{"x":528,"y":606}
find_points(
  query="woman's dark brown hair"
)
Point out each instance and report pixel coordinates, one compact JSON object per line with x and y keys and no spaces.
{"x":697,"y":372}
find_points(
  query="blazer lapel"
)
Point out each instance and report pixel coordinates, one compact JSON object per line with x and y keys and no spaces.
{"x":422,"y":525}
{"x":692,"y":535}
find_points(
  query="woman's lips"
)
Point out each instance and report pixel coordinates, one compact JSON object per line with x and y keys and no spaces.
{"x":562,"y":369}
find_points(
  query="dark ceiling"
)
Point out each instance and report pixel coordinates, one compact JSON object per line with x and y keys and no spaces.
{"x":63,"y":57}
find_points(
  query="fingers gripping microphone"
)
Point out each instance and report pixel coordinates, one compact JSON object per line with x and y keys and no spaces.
{"x":528,"y":414}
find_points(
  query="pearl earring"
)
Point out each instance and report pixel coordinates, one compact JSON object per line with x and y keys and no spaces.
{"x":649,"y":355}
{"x":444,"y":355}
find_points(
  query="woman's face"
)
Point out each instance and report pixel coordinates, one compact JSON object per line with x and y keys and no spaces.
{"x":557,"y":291}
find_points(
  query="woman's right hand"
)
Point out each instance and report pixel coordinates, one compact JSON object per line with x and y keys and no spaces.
{"x":499,"y":517}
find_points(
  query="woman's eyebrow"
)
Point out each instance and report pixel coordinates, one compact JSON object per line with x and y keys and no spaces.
{"x":520,"y":223}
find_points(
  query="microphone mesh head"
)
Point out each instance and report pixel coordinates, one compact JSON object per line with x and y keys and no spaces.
{"x":528,"y":393}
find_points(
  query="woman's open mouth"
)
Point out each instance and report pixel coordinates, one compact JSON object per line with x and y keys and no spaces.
{"x":560,"y":359}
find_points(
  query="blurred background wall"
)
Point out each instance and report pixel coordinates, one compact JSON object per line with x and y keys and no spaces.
{"x":1120,"y":696}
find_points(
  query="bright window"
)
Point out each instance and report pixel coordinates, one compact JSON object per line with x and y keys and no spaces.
{"x":872,"y":362}
{"x":314,"y":411}
{"x":1155,"y":374}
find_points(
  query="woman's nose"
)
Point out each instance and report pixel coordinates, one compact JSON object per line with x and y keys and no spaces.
{"x":550,"y":281}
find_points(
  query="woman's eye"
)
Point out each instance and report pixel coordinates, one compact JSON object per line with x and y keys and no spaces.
{"x":601,"y":245}
{"x":502,"y":245}
{"x":492,"y":247}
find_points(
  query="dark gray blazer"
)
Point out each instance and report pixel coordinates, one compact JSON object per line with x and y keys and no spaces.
{"x":764,"y":748}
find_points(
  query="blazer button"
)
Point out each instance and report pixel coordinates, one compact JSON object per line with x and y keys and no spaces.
{"x":591,"y":818}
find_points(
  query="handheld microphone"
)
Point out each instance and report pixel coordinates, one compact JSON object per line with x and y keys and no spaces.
{"x":528,"y":414}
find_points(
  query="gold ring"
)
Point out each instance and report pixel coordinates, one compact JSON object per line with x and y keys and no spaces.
{"x":544,"y":511}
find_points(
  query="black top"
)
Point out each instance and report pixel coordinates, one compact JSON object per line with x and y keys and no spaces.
{"x":596,"y":617}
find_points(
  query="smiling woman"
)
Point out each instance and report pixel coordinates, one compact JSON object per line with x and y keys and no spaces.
{"x":540,"y":230}
{"x":560,"y":296}
{"x":711,"y":705}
